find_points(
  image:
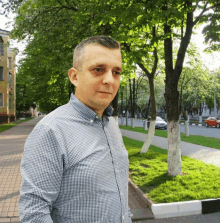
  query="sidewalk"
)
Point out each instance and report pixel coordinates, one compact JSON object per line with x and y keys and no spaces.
{"x":11,"y":151}
{"x":206,"y":154}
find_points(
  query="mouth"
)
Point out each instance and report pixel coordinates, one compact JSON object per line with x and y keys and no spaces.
{"x":104,"y":92}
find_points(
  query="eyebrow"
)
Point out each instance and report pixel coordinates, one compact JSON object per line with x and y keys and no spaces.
{"x":103,"y":65}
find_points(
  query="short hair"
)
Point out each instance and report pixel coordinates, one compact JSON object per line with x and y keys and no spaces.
{"x":101,"y":40}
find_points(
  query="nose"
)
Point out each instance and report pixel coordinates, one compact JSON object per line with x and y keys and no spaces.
{"x":108,"y":78}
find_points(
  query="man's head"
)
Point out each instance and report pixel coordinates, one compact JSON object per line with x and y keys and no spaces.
{"x":96,"y":71}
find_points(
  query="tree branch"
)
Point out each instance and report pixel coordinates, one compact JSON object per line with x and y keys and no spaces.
{"x":201,"y":14}
{"x":144,"y":69}
{"x":184,"y":44}
{"x":155,"y":54}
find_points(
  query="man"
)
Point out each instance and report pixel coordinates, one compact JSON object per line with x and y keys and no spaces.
{"x":75,"y":166}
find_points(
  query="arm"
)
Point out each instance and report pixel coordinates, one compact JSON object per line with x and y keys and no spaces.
{"x":41,"y":169}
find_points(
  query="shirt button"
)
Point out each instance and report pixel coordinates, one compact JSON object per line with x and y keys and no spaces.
{"x":97,"y":116}
{"x":123,"y":217}
{"x":91,"y":121}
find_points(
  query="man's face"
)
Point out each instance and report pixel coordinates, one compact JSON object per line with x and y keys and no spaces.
{"x":98,"y":80}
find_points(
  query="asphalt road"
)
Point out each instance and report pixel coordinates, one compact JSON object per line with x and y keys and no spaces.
{"x":212,"y":218}
{"x":193,"y":130}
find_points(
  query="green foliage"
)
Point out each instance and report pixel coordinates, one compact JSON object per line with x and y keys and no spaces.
{"x":53,"y":28}
{"x":196,"y":82}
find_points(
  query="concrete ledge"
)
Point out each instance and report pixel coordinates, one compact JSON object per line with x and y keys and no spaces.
{"x":210,"y":206}
{"x":177,"y":209}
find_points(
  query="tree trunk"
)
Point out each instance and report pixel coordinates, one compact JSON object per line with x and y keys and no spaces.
{"x":126,"y":110}
{"x":174,"y":152}
{"x":146,"y":116}
{"x":145,"y":124}
{"x":122,"y":121}
{"x":122,"y":118}
{"x":151,"y":131}
{"x":200,"y":119}
{"x":132,"y":123}
{"x":114,"y":104}
{"x":186,"y":128}
{"x":132,"y":98}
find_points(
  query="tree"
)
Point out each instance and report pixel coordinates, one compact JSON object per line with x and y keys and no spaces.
{"x":147,"y":31}
{"x":193,"y":85}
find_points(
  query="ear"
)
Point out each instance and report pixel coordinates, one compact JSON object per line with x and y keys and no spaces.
{"x":73,"y":76}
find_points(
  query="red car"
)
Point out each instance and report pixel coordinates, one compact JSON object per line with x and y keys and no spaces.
{"x":212,"y":121}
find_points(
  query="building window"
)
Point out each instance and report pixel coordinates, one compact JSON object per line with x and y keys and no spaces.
{"x":1,"y":99}
{"x":1,"y":74}
{"x":10,"y":62}
{"x":1,"y":47}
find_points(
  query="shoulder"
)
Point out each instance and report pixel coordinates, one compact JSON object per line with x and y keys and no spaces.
{"x":56,"y":117}
{"x":113,"y":125}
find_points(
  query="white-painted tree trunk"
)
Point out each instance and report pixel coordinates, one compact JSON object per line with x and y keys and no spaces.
{"x":174,"y":152}
{"x":122,"y":121}
{"x":149,"y":138}
{"x":200,"y":119}
{"x":132,"y":123}
{"x":116,"y":119}
{"x":145,"y":125}
{"x":187,"y":128}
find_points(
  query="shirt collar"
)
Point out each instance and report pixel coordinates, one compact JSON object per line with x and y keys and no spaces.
{"x":85,"y":111}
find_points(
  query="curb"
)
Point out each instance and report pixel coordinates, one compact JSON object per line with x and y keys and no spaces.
{"x":192,"y":124}
{"x":177,"y":209}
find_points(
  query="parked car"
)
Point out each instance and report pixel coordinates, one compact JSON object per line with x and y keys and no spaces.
{"x":212,"y":121}
{"x":159,"y":123}
{"x":39,"y":114}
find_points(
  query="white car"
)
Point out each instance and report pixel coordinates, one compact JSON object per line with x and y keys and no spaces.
{"x":159,"y":123}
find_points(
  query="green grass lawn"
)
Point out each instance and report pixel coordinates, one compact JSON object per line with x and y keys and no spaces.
{"x":195,"y":139}
{"x":149,"y":171}
{"x":8,"y":126}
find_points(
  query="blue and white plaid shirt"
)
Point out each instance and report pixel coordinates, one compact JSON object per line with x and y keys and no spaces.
{"x":75,"y":169}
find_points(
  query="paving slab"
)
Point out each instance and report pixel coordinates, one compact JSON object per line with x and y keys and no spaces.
{"x":11,"y":151}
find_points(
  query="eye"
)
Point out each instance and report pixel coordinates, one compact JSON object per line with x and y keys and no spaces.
{"x":116,"y":72}
{"x":98,"y":70}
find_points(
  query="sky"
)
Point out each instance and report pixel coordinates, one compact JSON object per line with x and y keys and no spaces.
{"x":212,"y":61}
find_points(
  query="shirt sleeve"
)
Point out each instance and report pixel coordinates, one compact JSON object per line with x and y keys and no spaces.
{"x":41,"y":170}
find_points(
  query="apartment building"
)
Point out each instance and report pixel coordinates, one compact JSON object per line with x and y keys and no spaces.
{"x":7,"y":79}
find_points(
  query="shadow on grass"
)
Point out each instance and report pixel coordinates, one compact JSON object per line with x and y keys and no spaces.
{"x":156,"y":182}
